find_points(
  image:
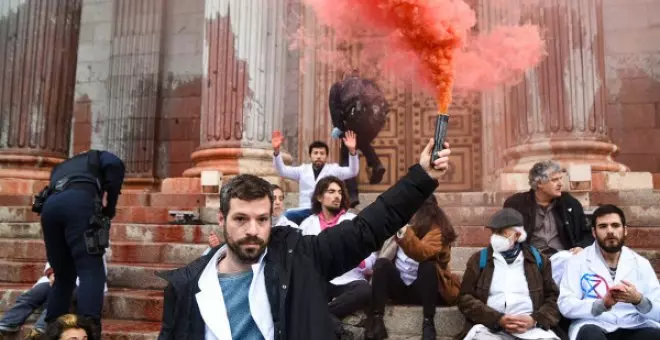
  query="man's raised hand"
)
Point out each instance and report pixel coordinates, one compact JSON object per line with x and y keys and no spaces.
{"x":440,"y":166}
{"x":276,"y":141}
{"x":350,"y":140}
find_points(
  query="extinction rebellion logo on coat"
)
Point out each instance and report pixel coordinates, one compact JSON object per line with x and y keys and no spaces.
{"x":593,"y":286}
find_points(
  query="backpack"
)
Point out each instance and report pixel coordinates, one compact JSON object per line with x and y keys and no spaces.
{"x":483,"y":257}
{"x":361,"y":103}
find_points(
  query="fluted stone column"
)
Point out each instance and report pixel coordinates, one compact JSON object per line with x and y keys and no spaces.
{"x":38,"y":51}
{"x":558,"y":111}
{"x":242,"y":96}
{"x":129,"y":124}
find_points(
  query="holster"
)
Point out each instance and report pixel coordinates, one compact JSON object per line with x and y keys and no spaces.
{"x":97,"y":236}
{"x":40,"y":199}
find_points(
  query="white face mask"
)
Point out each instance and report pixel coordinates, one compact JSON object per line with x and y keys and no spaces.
{"x":500,"y":243}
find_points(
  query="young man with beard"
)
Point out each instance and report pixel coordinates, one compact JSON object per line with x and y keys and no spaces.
{"x":269,"y":283}
{"x":278,"y":217}
{"x":308,"y":174}
{"x":351,"y":291}
{"x":507,"y":291}
{"x":610,"y":291}
{"x":554,"y":220}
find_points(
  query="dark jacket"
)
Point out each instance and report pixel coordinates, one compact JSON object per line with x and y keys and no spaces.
{"x":475,"y":289}
{"x":297,"y":268}
{"x":568,"y":214}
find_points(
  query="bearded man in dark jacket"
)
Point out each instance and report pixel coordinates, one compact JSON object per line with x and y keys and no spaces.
{"x":270,"y":283}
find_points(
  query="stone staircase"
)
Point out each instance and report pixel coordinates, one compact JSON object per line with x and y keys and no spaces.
{"x":142,"y":242}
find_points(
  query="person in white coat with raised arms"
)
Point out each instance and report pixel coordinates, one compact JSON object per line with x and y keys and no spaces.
{"x":610,"y":291}
{"x":308,"y":174}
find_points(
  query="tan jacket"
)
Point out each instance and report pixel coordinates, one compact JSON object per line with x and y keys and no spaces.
{"x":431,"y":247}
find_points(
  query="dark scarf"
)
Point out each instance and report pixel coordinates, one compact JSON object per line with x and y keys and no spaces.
{"x":511,"y":254}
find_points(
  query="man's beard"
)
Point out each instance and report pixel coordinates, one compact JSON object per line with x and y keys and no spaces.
{"x":247,"y":257}
{"x":611,"y":249}
{"x":333,"y":210}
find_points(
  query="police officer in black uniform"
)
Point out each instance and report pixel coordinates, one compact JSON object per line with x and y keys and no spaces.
{"x":76,"y":229}
{"x":358,"y":104}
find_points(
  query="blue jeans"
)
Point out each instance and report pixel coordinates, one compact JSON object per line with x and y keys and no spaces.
{"x":298,"y":215}
{"x":25,"y":305}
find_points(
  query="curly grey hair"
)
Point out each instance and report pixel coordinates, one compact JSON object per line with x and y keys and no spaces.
{"x":541,"y":172}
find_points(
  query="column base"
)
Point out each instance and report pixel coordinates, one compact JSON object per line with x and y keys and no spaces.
{"x":600,"y":181}
{"x":598,"y":154}
{"x":29,"y":167}
{"x":13,"y":186}
{"x":233,"y":161}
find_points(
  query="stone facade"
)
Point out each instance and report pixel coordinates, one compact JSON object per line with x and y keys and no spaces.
{"x":175,"y":87}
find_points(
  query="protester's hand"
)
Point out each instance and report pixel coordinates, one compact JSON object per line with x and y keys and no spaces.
{"x":214,"y":241}
{"x":576,"y":250}
{"x":626,"y":292}
{"x":402,"y":231}
{"x":523,"y":323}
{"x":336,"y":133}
{"x":609,"y":298}
{"x":350,"y":140}
{"x":440,"y":166}
{"x":51,"y":279}
{"x":509,"y":324}
{"x":276,"y":141}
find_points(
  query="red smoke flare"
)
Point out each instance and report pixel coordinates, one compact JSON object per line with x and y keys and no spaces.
{"x":429,"y":41}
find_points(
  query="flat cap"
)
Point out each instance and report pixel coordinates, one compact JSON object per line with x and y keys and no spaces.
{"x":505,"y":218}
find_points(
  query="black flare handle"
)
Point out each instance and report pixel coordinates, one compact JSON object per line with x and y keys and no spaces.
{"x":441,"y":124}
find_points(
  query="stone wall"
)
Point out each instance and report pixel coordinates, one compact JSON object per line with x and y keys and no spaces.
{"x":632,"y":58}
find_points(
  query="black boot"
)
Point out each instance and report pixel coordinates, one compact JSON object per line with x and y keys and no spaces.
{"x":377,"y":174}
{"x":375,"y":328}
{"x":428,"y":329}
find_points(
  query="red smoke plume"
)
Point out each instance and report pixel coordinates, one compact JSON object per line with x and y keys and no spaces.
{"x":429,"y":42}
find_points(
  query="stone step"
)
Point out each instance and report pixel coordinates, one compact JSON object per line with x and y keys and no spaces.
{"x":638,"y":236}
{"x":169,"y":254}
{"x":113,"y":330}
{"x":128,"y":306}
{"x":172,"y":201}
{"x":124,"y":232}
{"x":645,"y":197}
{"x":120,"y":252}
{"x":132,"y":214}
{"x":122,"y":304}
{"x":120,"y":275}
{"x":459,"y":215}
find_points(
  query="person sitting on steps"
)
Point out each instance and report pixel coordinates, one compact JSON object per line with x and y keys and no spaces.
{"x":414,"y":269}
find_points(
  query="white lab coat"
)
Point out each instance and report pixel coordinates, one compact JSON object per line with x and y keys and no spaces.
{"x":312,"y":226}
{"x":211,"y":303}
{"x":283,"y":221}
{"x":587,"y":279}
{"x":304,"y":175}
{"x":559,"y":261}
